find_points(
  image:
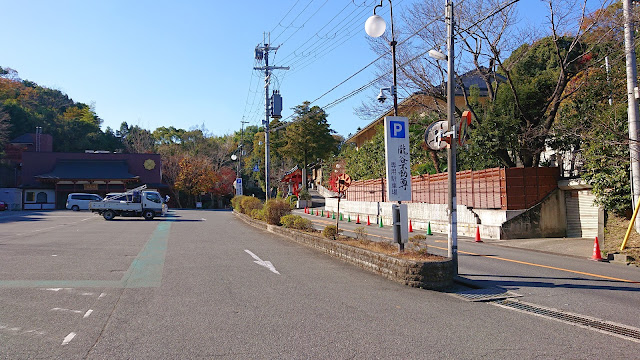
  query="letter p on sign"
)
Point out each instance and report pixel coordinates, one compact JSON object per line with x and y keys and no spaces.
{"x":397,"y":129}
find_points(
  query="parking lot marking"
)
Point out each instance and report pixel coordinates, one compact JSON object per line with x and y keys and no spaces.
{"x":146,"y":268}
{"x":144,"y":271}
{"x":68,"y":338}
{"x":86,"y":315}
{"x":67,"y":310}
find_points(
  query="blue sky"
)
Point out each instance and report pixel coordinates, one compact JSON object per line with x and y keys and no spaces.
{"x":187,"y":64}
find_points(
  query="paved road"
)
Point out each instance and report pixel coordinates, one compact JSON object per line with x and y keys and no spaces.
{"x":575,"y":284}
{"x":202,"y":284}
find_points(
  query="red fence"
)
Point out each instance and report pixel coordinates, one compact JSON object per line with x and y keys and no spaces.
{"x":497,"y":188}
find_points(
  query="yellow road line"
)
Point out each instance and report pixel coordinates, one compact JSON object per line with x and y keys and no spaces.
{"x":519,"y":262}
{"x":544,"y":266}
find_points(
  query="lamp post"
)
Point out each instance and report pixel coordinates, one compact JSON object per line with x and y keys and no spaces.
{"x":452,"y":235}
{"x":375,"y":27}
{"x":234,"y":157}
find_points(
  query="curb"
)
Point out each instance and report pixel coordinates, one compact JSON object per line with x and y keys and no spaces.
{"x":432,"y":275}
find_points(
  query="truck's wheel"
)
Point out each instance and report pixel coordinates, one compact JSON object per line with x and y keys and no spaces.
{"x":148,"y":214}
{"x":109,"y":215}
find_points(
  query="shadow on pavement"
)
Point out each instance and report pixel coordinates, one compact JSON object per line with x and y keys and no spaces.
{"x":521,"y":281}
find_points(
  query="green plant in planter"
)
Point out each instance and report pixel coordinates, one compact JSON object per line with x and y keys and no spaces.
{"x":304,"y":194}
{"x":289,"y":220}
{"x":275,"y":209}
{"x":330,"y":232}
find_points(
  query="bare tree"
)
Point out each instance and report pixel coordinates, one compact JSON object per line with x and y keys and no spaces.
{"x":487,"y":34}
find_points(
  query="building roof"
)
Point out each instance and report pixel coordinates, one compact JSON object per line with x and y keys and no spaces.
{"x":89,"y":170}
{"x":470,"y":78}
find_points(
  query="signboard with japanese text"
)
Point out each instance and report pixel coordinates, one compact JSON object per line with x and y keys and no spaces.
{"x":238,"y":186}
{"x":398,"y":165}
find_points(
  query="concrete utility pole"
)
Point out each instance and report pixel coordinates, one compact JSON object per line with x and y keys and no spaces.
{"x":262,"y":53}
{"x":242,"y":122}
{"x":451,"y":150}
{"x":632,"y":113}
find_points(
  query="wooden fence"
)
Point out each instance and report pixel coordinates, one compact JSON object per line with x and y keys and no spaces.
{"x":496,"y":188}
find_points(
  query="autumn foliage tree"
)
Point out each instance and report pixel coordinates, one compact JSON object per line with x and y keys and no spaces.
{"x":196,"y":176}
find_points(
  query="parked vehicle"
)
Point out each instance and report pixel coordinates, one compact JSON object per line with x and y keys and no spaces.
{"x":136,"y":202}
{"x":80,"y":201}
{"x":3,"y":206}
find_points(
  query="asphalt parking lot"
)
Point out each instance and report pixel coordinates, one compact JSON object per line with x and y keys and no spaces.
{"x":69,"y":269}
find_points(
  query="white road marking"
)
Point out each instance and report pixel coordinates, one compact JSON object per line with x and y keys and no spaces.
{"x":102,"y":295}
{"x":67,"y":310}
{"x":261,"y":262}
{"x":54,"y":255}
{"x":16,"y":331}
{"x":68,"y":338}
{"x":86,"y":315}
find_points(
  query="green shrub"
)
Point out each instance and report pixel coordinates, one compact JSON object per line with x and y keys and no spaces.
{"x":249,"y":203}
{"x":361,"y":233}
{"x":304,"y":195}
{"x":235,"y":202}
{"x":417,"y":238}
{"x":303,"y":224}
{"x":330,"y":232}
{"x":291,"y":199}
{"x":289,"y":220}
{"x":257,"y":214}
{"x":274,"y":209}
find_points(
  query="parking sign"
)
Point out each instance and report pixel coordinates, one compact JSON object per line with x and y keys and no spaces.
{"x":398,"y":164}
{"x":238,"y":186}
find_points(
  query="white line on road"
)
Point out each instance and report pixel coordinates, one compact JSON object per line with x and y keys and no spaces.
{"x":86,"y":315}
{"x":261,"y":262}
{"x":67,"y":310}
{"x":68,"y":338}
{"x":102,"y":295}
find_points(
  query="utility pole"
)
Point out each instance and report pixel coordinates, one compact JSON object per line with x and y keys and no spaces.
{"x":262,"y":53}
{"x":242,"y":122}
{"x":632,"y":112}
{"x":451,"y":150}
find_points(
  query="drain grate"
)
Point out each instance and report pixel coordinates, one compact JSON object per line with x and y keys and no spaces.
{"x":624,"y":331}
{"x":485,"y":294}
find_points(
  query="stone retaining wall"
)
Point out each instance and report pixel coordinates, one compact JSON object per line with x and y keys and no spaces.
{"x":434,"y":275}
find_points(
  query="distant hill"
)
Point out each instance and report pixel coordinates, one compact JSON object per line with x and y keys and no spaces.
{"x":74,"y":126}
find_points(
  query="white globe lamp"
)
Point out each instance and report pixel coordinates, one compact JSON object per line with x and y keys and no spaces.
{"x":375,"y":26}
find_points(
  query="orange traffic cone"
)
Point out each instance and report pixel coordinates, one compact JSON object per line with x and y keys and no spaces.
{"x":410,"y":227}
{"x":368,"y":222}
{"x":478,"y":234}
{"x":596,"y":251}
{"x":358,"y":219}
{"x":306,"y":211}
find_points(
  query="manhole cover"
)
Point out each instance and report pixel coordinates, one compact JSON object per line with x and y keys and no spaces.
{"x":485,"y":294}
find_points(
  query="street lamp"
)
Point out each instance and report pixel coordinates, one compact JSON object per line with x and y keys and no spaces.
{"x":234,"y":157}
{"x":375,"y":27}
{"x":452,"y":236}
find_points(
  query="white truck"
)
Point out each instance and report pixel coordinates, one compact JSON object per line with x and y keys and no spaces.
{"x":136,"y":202}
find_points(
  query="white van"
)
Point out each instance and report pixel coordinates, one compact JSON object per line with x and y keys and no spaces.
{"x":80,"y":201}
